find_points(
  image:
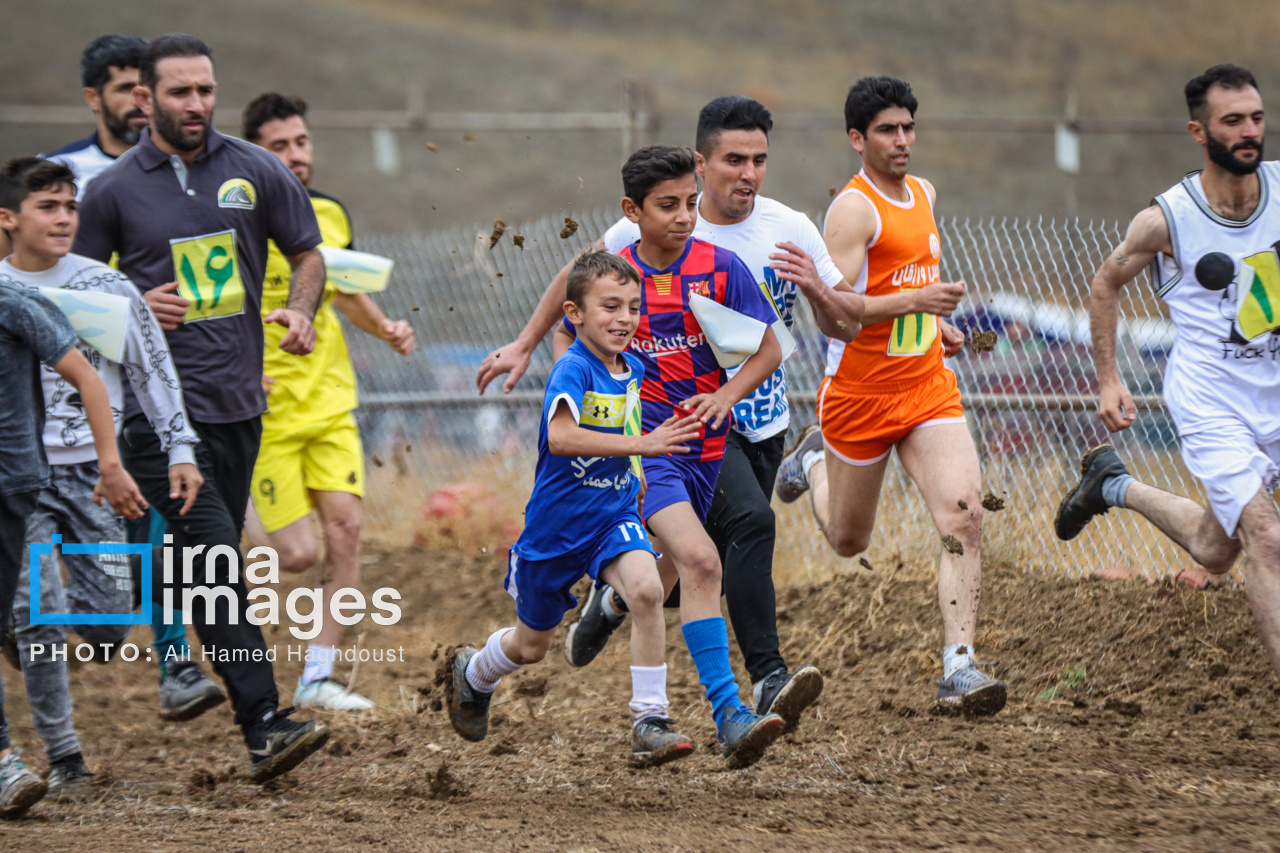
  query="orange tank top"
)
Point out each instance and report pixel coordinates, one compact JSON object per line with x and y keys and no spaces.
{"x":904,"y":254}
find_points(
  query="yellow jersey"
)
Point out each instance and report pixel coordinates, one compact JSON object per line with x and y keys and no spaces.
{"x":323,"y":384}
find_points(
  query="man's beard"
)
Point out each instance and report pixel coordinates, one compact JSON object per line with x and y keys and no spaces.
{"x":1225,"y":157}
{"x":120,"y":127}
{"x":170,"y":131}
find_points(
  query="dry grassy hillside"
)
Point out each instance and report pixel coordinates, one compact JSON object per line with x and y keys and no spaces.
{"x":965,"y":57}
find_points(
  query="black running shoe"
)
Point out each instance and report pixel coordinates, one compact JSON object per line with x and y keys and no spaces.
{"x":590,"y":634}
{"x":70,"y":782}
{"x":186,"y":692}
{"x":745,"y":735}
{"x":278,"y":744}
{"x":468,"y":707}
{"x":1085,"y":501}
{"x":653,"y":742}
{"x":787,"y":694}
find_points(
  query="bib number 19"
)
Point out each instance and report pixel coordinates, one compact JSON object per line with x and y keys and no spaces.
{"x":208,"y":275}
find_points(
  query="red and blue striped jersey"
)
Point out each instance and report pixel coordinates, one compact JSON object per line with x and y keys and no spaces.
{"x":678,"y":360}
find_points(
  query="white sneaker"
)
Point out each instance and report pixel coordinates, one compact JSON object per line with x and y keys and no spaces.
{"x":329,"y":695}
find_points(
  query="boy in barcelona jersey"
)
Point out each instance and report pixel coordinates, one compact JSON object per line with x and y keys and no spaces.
{"x":683,"y":375}
{"x":583,"y":518}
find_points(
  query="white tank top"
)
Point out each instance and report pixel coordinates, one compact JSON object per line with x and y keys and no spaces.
{"x":1214,"y":370}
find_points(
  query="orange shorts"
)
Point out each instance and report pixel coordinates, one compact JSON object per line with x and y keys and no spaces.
{"x":861,"y":428}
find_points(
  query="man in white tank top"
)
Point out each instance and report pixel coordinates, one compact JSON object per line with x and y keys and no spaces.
{"x":1213,"y":242}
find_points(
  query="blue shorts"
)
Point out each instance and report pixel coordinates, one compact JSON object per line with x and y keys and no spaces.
{"x":541,"y":587}
{"x":672,"y":479}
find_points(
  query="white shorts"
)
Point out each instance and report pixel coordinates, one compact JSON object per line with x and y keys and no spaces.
{"x":1233,"y":465}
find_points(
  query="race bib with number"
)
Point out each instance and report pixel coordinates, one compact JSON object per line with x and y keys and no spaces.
{"x":208,"y":275}
{"x":912,"y":334}
{"x":631,"y":423}
{"x":1258,"y":309}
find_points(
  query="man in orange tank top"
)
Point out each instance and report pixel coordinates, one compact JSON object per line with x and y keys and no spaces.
{"x":889,"y":386}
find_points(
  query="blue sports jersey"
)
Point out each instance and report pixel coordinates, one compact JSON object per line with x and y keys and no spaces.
{"x":574,"y":498}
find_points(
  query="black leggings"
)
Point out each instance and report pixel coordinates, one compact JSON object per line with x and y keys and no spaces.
{"x":225,"y":455}
{"x":742,"y":525}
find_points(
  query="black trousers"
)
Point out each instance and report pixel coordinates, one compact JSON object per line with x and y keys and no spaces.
{"x":742,"y":525}
{"x":226,"y":456}
{"x":14,"y":511}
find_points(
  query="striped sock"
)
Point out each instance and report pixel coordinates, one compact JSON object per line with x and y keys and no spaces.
{"x":486,"y":669}
{"x":708,"y":642}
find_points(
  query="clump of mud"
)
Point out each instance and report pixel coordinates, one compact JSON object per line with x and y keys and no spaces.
{"x":983,"y":341}
{"x":570,"y":228}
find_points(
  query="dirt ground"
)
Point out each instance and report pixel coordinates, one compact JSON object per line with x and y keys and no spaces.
{"x":1140,"y":718}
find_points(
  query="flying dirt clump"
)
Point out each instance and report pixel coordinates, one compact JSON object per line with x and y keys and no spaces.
{"x":961,"y":503}
{"x":983,"y":341}
{"x":499,"y":228}
{"x":865,"y":563}
{"x":517,"y":239}
{"x":570,"y":228}
{"x":991,"y":503}
{"x":953,"y":545}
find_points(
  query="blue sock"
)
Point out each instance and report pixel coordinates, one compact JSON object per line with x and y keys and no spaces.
{"x":169,"y":642}
{"x":1114,"y":489}
{"x":708,"y":642}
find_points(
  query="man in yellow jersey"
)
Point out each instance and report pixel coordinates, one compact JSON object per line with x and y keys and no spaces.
{"x":889,"y":387}
{"x":311,"y":457}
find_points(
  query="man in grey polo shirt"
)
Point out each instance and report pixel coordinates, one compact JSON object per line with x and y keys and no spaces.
{"x":190,"y":212}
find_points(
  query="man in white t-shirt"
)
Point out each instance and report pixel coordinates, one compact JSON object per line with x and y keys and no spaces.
{"x":1213,"y":239}
{"x":786,"y":253}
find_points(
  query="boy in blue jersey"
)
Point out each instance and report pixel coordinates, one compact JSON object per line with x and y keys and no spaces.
{"x":583,"y":515}
{"x":683,"y":376}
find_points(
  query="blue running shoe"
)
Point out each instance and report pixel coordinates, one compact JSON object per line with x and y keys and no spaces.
{"x":745,"y":735}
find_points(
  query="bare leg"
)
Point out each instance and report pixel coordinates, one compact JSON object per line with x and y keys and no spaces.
{"x":1260,"y":531}
{"x":1187,"y":523}
{"x":635,"y":577}
{"x":844,"y":501}
{"x":340,"y":517}
{"x":943,"y":462}
{"x":695,"y":558}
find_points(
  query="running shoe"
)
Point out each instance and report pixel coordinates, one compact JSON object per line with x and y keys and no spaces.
{"x":20,"y":789}
{"x":590,"y":634}
{"x":468,"y":707}
{"x":787,"y":694}
{"x":972,"y":692}
{"x":278,"y":744}
{"x":185,"y":692}
{"x":792,"y":482}
{"x":1085,"y":501}
{"x":745,"y":735}
{"x":328,"y":695}
{"x":653,"y":742}
{"x":71,"y":782}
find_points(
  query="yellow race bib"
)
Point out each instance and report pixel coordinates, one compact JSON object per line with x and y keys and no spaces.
{"x":912,"y":334}
{"x":208,"y":275}
{"x":1258,"y":310}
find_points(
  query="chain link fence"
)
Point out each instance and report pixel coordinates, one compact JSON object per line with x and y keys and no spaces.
{"x":1030,"y":400}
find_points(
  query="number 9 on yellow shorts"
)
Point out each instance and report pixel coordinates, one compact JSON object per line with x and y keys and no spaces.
{"x":320,"y":456}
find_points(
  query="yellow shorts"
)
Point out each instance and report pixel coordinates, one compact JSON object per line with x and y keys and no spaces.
{"x":322,"y":456}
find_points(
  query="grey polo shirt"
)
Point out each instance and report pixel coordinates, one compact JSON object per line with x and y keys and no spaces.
{"x":205,"y":226}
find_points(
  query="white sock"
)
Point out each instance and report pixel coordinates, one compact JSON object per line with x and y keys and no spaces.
{"x":811,"y":458}
{"x":486,"y":669}
{"x":956,"y":658}
{"x":606,"y":604}
{"x":648,"y":692}
{"x":319,"y":663}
